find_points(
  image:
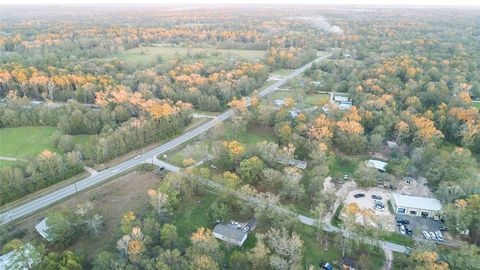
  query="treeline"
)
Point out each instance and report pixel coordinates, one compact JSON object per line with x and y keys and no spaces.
{"x":291,"y":57}
{"x":38,"y":172}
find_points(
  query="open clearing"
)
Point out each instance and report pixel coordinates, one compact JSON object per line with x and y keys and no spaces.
{"x":22,"y":142}
{"x":208,"y":55}
{"x":112,"y":200}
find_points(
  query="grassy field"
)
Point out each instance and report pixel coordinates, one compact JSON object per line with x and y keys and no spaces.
{"x":315,"y":99}
{"x":252,"y":136}
{"x":7,"y":163}
{"x":208,"y":55}
{"x":476,"y":105}
{"x":282,"y":72}
{"x":25,"y":141}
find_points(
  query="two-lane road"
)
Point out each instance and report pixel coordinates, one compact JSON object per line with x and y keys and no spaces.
{"x":60,"y":194}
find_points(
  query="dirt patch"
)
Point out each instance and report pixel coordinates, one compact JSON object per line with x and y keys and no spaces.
{"x":112,"y":200}
{"x":414,"y":187}
{"x":368,"y":215}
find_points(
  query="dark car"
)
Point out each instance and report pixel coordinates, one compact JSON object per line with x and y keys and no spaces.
{"x":376,"y":197}
{"x":443,"y":229}
{"x":402,"y":221}
{"x":359,"y":195}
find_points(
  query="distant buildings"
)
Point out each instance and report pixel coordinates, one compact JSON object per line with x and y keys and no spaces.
{"x":416,"y":206}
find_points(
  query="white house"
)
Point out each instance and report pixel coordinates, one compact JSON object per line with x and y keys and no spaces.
{"x":416,"y":206}
{"x":377,"y":164}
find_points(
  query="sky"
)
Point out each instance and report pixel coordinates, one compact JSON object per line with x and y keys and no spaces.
{"x":284,"y":2}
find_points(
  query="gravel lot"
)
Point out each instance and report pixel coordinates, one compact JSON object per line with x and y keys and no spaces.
{"x":377,"y":218}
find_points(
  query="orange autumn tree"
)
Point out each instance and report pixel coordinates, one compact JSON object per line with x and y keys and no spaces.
{"x":235,"y":149}
{"x":425,"y":129}
{"x":321,"y":129}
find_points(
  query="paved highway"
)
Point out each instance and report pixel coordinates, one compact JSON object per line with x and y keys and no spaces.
{"x":60,"y":194}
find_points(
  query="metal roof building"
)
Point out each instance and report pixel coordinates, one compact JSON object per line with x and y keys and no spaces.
{"x":377,"y":164}
{"x":416,"y":206}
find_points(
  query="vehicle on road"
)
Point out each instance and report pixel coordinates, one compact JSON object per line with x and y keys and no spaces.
{"x":116,"y":171}
{"x":427,"y":235}
{"x":376,"y":197}
{"x":359,"y":195}
{"x":137,"y":157}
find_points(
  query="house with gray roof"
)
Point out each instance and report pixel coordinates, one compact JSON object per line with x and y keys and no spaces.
{"x":230,"y":234}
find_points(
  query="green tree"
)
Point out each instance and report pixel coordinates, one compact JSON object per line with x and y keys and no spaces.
{"x":250,"y":170}
{"x":168,"y":235}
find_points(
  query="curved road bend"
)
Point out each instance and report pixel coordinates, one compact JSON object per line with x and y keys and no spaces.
{"x":55,"y":196}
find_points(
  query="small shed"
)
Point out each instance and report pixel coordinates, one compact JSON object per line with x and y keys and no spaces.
{"x":42,"y":229}
{"x":416,"y":206}
{"x":377,"y":164}
{"x":300,"y":164}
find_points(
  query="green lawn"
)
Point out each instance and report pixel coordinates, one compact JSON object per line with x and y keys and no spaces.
{"x":398,"y":239}
{"x":25,"y":141}
{"x":7,"y":163}
{"x":282,"y":72}
{"x":190,"y":215}
{"x":342,"y":166}
{"x":476,"y":105}
{"x":208,"y":55}
{"x":315,"y":99}
{"x":81,"y":139}
{"x":252,"y":136}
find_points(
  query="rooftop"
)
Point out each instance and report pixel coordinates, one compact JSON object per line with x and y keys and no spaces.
{"x":377,"y":164}
{"x":230,"y":232}
{"x":417,"y":202}
{"x":42,"y":229}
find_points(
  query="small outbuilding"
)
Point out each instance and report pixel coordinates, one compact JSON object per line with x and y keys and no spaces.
{"x":230,"y":234}
{"x":42,"y":229}
{"x":377,"y":164}
{"x":416,"y":206}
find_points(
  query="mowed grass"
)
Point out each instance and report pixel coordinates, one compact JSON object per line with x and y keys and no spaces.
{"x":21,"y":142}
{"x":253,"y":135}
{"x":476,"y":105}
{"x":315,"y":99}
{"x":208,"y":55}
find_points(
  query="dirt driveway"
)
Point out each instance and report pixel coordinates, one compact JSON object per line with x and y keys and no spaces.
{"x":377,"y":218}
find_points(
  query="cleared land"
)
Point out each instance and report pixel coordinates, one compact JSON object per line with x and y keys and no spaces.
{"x":21,"y":142}
{"x":25,"y":141}
{"x":208,"y":55}
{"x":112,"y":200}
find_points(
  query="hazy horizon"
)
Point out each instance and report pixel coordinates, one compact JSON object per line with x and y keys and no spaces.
{"x":404,"y":3}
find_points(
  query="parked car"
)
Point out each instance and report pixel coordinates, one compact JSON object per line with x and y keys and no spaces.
{"x":376,"y":197}
{"x":409,"y":232}
{"x":246,"y":229}
{"x":378,"y":207}
{"x":427,"y":235}
{"x":402,"y":221}
{"x":345,"y":177}
{"x":443,"y":229}
{"x":433,"y":236}
{"x":439,"y":235}
{"x":359,"y":195}
{"x":402,"y":229}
